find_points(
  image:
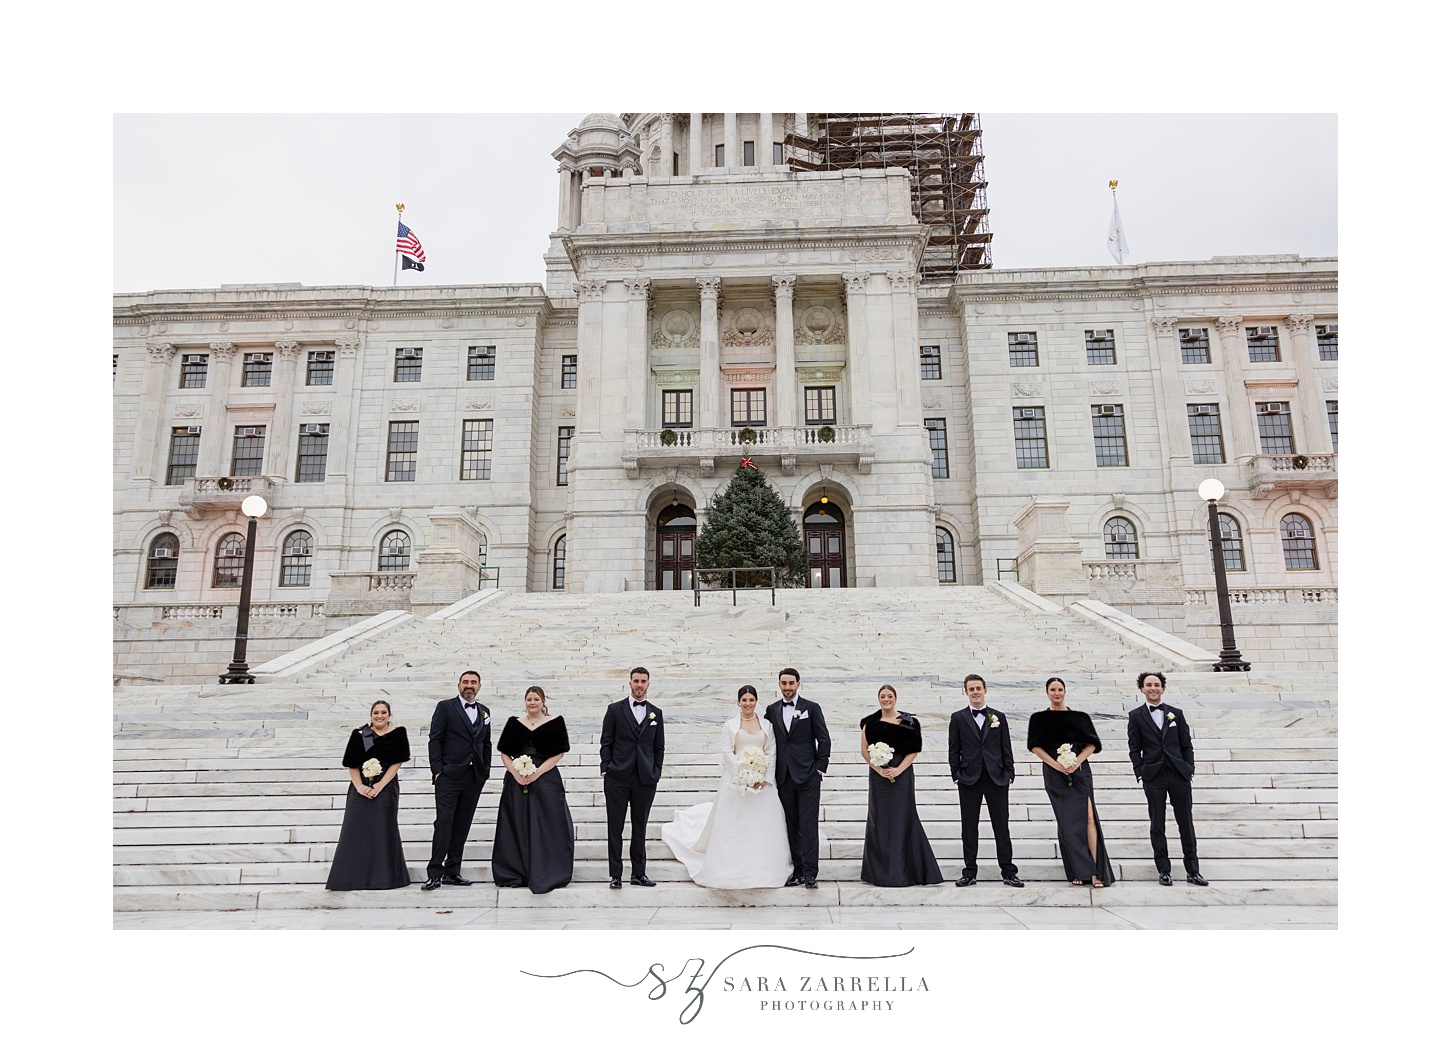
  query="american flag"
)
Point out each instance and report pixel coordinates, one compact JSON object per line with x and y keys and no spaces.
{"x":408,"y":242}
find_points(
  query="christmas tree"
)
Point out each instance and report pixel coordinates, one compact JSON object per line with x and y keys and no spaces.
{"x":749,"y":526}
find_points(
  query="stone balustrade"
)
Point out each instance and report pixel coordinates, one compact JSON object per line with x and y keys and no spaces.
{"x":819,"y":443}
{"x":221,"y":493}
{"x":1266,"y":596}
{"x":144,"y":615}
{"x":368,"y":593}
{"x":1272,"y":475}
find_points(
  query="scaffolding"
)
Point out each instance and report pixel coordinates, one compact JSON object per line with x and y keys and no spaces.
{"x":943,"y":154}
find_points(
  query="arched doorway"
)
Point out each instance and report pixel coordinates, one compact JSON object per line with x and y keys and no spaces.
{"x":825,"y":528}
{"x":675,"y":548}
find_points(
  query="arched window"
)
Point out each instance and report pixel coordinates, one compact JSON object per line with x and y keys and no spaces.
{"x":1298,"y":539}
{"x":483,"y":551}
{"x":161,"y":562}
{"x":231,"y":553}
{"x":1120,"y":539}
{"x":559,"y":563}
{"x":1232,"y":543}
{"x":946,"y":559}
{"x":296,"y":560}
{"x":394,"y":551}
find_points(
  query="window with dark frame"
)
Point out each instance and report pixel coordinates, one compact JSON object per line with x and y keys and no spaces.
{"x":675,"y":164}
{"x":1264,"y":343}
{"x":748,"y":407}
{"x":1327,"y":337}
{"x":296,"y":560}
{"x":1297,"y":538}
{"x":257,"y":369}
{"x":559,"y":549}
{"x":931,"y":356}
{"x":1120,"y":540}
{"x":946,"y":559}
{"x":1022,"y":349}
{"x":821,"y":405}
{"x":1231,"y":543}
{"x":1194,"y":346}
{"x":720,"y":155}
{"x":778,"y":153}
{"x":312,"y":452}
{"x":1110,"y":441}
{"x":1206,"y":437}
{"x":181,"y":461}
{"x":569,"y":371}
{"x":1332,"y":415}
{"x":478,"y":447}
{"x":115,"y":366}
{"x":481,"y":362}
{"x":677,"y":408}
{"x":395,"y":550}
{"x":1277,"y":438}
{"x":937,"y":440}
{"x":748,"y":153}
{"x":1100,"y":345}
{"x":407,"y":365}
{"x":161,"y":561}
{"x":566,"y":440}
{"x":249,"y":446}
{"x":402,"y":461}
{"x":230,"y":559}
{"x":1030,"y":436}
{"x":194,"y":371}
{"x":320,"y":368}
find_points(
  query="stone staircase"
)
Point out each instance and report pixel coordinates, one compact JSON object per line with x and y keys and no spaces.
{"x":230,"y":798}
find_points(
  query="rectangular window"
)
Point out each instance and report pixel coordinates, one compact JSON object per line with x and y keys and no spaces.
{"x":937,"y":439}
{"x":1022,"y":349}
{"x":748,"y":150}
{"x":720,"y":155}
{"x":1110,"y":442}
{"x":115,"y":365}
{"x":569,"y":371}
{"x":1030,"y":436}
{"x":248,"y":446}
{"x":1328,"y":338}
{"x":402,"y":463}
{"x":478,"y":448}
{"x":1332,"y":414}
{"x":1276,"y":437}
{"x":821,"y":405}
{"x":1100,"y":347}
{"x":748,"y":407}
{"x":677,"y":408}
{"x":1194,"y":346}
{"x":931,"y":357}
{"x":194,"y":371}
{"x":778,"y":153}
{"x":675,"y":164}
{"x":319,"y":368}
{"x":181,"y":463}
{"x":257,"y":369}
{"x":312,"y":452}
{"x":566,"y":439}
{"x":1264,"y":343}
{"x":1206,"y":438}
{"x":407,"y":365}
{"x":481,"y":362}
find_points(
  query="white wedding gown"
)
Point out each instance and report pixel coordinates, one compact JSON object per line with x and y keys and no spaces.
{"x":739,"y":839}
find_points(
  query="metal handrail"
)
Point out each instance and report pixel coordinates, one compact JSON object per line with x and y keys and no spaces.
{"x":482,"y":578}
{"x":1011,"y":567}
{"x":695,"y":581}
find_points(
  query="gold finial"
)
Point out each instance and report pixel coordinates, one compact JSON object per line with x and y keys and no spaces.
{"x":1113,"y":187}
{"x":400,"y":205}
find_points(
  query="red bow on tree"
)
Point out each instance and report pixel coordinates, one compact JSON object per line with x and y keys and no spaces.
{"x":747,"y":461}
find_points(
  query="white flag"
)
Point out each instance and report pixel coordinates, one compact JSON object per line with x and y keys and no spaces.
{"x":1118,"y":243}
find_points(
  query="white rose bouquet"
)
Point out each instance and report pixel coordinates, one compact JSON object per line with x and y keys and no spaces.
{"x":525,"y":766}
{"x":1067,"y":758}
{"x":371,"y":769}
{"x":751,"y":770}
{"x":880,"y":755}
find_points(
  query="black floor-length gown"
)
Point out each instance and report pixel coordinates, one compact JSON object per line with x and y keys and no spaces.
{"x":1047,"y":730}
{"x":369,"y":853}
{"x":534,"y":835}
{"x":896,"y":852}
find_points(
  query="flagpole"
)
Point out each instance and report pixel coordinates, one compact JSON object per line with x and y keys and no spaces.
{"x":399,"y":207}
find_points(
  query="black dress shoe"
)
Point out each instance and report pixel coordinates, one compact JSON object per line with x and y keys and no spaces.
{"x":795,"y":881}
{"x":1166,"y":880}
{"x":457,"y":881}
{"x":615,"y":883}
{"x":1012,"y":880}
{"x":811,"y":883}
{"x":642,"y":881}
{"x":432,"y":883}
{"x":967,"y":880}
{"x":1195,"y":878}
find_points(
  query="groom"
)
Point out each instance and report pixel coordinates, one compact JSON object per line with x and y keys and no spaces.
{"x":803,"y":747}
{"x":980,"y":758}
{"x":1162,"y":753}
{"x":458,"y":760}
{"x":632,"y":751}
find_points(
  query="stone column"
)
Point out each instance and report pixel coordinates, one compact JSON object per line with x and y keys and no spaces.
{"x":711,"y":414}
{"x":279,"y":439}
{"x":637,"y":340}
{"x":855,"y":287}
{"x":904,"y":345}
{"x":212,"y":457}
{"x":566,"y":198}
{"x":1171,"y":390}
{"x":786,"y":388}
{"x":763,"y":142}
{"x":149,"y":428}
{"x":1314,"y":434}
{"x":732,"y":145}
{"x":591,"y":294}
{"x":692,"y":148}
{"x":667,"y":142}
{"x":342,"y":440}
{"x":1242,"y":431}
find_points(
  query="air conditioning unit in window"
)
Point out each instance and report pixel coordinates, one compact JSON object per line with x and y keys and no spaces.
{"x":1205,"y":410}
{"x":312,"y":429}
{"x":248,"y":432}
{"x":194,"y":360}
{"x":1105,"y":411}
{"x":1020,"y":338}
{"x":407,"y":353}
{"x":194,"y":430}
{"x":1196,"y":333}
{"x":1333,"y":329}
{"x":1259,"y":332}
{"x":258,"y":356}
{"x":319,"y":356}
{"x":1100,"y":334}
{"x":1298,"y":534}
{"x":1028,"y":414}
{"x":163,"y":552}
{"x":1119,"y":537}
{"x":1271,"y":407}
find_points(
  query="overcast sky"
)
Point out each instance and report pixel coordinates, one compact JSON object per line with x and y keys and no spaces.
{"x":202,"y":200}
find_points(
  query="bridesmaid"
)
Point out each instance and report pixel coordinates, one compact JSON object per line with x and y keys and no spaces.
{"x":369,"y":854}
{"x":896,"y":852}
{"x":534,"y":834}
{"x":1070,"y":790}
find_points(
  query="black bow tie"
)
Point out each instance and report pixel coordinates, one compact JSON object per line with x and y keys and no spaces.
{"x":471,"y":706}
{"x":790,"y":705}
{"x":980,"y":712}
{"x":1152,"y":708}
{"x":633,"y":703}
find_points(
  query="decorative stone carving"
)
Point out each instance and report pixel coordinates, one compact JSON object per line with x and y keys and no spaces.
{"x":1164,"y":326}
{"x":745,"y":376}
{"x":590,"y":290}
{"x":160,"y":352}
{"x":677,"y":376}
{"x":747,"y":328}
{"x":677,"y":329}
{"x":1299,"y":322}
{"x":287,"y":325}
{"x":903,"y":282}
{"x":709,"y":286}
{"x":164,"y":517}
{"x":223,"y":327}
{"x":182,"y":412}
{"x":1330,"y":383}
{"x":638,"y":287}
{"x":478,"y":402}
{"x":933,"y":401}
{"x":521,"y":321}
{"x":1227,"y":324}
{"x":316,"y":408}
{"x":348,"y":346}
{"x":223,"y":350}
{"x":1136,"y":305}
{"x":350,"y":324}
{"x":404,"y":405}
{"x":445,"y":324}
{"x":855,"y":283}
{"x":783,"y":285}
{"x":288,"y":349}
{"x":1104,"y":387}
{"x":1027,"y":390}
{"x":567,"y":412}
{"x":1119,"y":499}
{"x":396,"y":513}
{"x":818,"y":325}
{"x":818,"y":374}
{"x":1199,"y":387}
{"x":880,"y":253}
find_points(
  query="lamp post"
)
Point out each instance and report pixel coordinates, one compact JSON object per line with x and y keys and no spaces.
{"x":253,"y":507}
{"x":1211,"y":489}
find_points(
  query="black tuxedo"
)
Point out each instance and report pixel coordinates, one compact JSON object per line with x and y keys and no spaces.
{"x":1163,"y":760}
{"x":981,"y":762}
{"x":631,"y":756}
{"x":458,"y":759}
{"x":802,"y":755}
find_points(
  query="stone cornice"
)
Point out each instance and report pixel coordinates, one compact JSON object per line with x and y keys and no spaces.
{"x":1320,"y":275}
{"x":581,"y":246}
{"x":324,"y":303}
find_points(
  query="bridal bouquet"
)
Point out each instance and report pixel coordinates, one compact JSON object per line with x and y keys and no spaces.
{"x":1067,"y":757}
{"x":371,"y":769}
{"x":880,"y":754}
{"x":751,"y":769}
{"x":525,"y":766}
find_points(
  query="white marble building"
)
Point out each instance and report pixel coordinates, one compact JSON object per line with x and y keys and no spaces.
{"x":570,"y":436}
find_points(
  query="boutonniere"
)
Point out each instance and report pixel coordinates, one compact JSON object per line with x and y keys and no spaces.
{"x":992,"y":720}
{"x":1170,"y":718}
{"x":650,"y":716}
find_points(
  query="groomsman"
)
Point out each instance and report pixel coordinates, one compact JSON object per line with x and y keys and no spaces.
{"x":980,"y":757}
{"x":803,"y":747}
{"x":632,"y":751}
{"x":1162,"y":752}
{"x":458,"y":759}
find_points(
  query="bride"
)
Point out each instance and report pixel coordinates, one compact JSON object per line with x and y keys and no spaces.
{"x":739,"y":839}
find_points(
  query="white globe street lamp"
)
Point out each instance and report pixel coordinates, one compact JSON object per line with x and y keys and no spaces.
{"x":1211,"y":490}
{"x":253,"y":507}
